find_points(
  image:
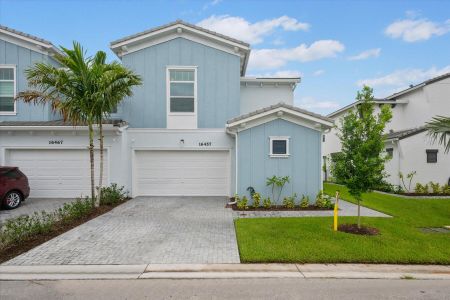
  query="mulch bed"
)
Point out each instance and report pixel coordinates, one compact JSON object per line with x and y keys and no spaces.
{"x":353,"y":228}
{"x":279,"y":208}
{"x":59,"y":228}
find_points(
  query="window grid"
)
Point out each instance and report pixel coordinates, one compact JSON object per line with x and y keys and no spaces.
{"x":185,"y":79}
{"x":7,"y":91}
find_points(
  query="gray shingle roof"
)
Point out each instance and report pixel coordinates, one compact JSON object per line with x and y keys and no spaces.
{"x":275,"y":106}
{"x":181,"y":22}
{"x":54,"y":123}
{"x":402,"y":134}
{"x":26,"y":35}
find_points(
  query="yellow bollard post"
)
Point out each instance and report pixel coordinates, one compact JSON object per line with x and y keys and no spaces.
{"x":336,"y":212}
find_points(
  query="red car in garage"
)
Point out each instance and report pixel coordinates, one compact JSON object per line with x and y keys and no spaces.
{"x":14,"y":187}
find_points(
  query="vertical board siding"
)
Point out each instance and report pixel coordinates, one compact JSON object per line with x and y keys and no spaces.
{"x":302,"y":166}
{"x":218,"y":85}
{"x":23,"y":58}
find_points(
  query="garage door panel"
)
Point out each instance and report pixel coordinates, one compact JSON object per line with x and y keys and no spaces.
{"x":57,"y":173}
{"x":182,"y":173}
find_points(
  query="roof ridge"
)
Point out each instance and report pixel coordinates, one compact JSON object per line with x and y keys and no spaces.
{"x":12,"y":30}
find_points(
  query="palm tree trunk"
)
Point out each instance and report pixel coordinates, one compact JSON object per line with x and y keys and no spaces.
{"x":359,"y":214}
{"x":100,"y":181}
{"x":91,"y":158}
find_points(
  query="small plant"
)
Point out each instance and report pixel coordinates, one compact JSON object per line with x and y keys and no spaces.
{"x":112,"y":195}
{"x":304,"y":203}
{"x":445,"y":189}
{"x":435,"y":187}
{"x":267,"y":203}
{"x":421,"y":189}
{"x":410,"y":177}
{"x":289,"y":202}
{"x":323,"y":201}
{"x":277,"y":181}
{"x":256,"y":199}
{"x":242,"y":203}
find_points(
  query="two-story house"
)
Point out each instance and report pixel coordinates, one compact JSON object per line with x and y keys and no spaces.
{"x":196,"y":126}
{"x":407,"y":142}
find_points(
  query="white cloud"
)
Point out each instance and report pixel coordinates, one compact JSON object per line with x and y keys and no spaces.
{"x":366,"y":54}
{"x":321,"y":106}
{"x":276,"y":58}
{"x":318,"y":73}
{"x":211,"y":3}
{"x":278,"y":42}
{"x":281,"y":73}
{"x":414,"y":30}
{"x":401,"y":79}
{"x":252,"y":33}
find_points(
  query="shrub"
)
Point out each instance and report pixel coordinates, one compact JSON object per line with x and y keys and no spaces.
{"x":289,"y":202}
{"x":277,"y":182}
{"x":435,"y":187}
{"x":242,"y":203}
{"x":256,"y":199}
{"x":305,"y":202}
{"x":323,"y":201}
{"x":421,"y":189}
{"x":267,"y":203}
{"x":112,"y":194}
{"x":445,"y":189}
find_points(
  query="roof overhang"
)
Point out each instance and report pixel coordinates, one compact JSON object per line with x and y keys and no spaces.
{"x":106,"y":127}
{"x":351,"y":105}
{"x":260,"y":81}
{"x":181,"y":29}
{"x":25,"y":41}
{"x":280,"y":112}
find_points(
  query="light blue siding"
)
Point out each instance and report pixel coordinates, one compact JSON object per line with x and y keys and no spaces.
{"x":23,"y":58}
{"x":218,"y":83}
{"x":303,"y":165}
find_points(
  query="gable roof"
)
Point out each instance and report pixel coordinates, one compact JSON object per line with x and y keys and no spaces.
{"x":403,"y":134}
{"x":28,"y":41}
{"x":281,"y":109}
{"x":392,"y":99}
{"x":180,"y":28}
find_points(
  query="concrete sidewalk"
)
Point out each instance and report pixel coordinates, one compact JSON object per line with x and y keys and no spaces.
{"x":208,"y":271}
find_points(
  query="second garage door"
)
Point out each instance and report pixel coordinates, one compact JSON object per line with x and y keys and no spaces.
{"x":181,"y":173}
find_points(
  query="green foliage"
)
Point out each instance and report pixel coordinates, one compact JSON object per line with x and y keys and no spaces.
{"x":277,"y":182}
{"x":421,"y":189}
{"x":439,"y":130}
{"x":304,"y":203}
{"x":242,"y":203}
{"x":267,"y":203}
{"x":256,"y":199}
{"x":289,"y":202}
{"x":112,"y":195}
{"x":445,"y":189}
{"x":324,"y":201}
{"x":409,"y":176}
{"x":435,"y":187}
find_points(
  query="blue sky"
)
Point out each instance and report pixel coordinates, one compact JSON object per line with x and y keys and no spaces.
{"x":335,"y":46}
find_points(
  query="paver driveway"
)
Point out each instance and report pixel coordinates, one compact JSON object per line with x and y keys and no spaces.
{"x":146,"y":230}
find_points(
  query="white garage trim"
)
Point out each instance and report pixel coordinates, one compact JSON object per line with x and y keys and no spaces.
{"x":135,"y":178}
{"x":7,"y":153}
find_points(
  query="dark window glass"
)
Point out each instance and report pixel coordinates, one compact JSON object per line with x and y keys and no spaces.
{"x":323,"y":138}
{"x":12,"y":174}
{"x":279,"y":147}
{"x":432,"y":156}
{"x":390,"y":152}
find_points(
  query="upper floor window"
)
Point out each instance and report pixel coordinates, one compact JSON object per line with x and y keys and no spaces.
{"x":432,"y":155}
{"x":7,"y":89}
{"x":182,"y":90}
{"x":279,"y":146}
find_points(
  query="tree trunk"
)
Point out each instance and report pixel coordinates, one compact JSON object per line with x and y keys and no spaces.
{"x":100,"y":181}
{"x":91,"y":158}
{"x":359,"y":214}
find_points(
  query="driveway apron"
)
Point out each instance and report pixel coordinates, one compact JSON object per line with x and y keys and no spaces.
{"x":166,"y":230}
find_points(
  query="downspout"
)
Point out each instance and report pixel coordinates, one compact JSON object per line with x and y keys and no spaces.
{"x":235,"y":160}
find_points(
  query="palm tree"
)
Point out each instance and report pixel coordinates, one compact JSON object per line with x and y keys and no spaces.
{"x":439,"y":129}
{"x":114,"y":84}
{"x":69,"y":89}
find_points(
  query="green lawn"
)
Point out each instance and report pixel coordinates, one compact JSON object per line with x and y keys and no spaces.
{"x":312,"y":239}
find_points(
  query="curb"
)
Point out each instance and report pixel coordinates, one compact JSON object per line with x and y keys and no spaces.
{"x":224,"y":271}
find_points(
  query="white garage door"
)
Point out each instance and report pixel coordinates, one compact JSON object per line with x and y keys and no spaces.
{"x":182,"y":173}
{"x":62,"y":173}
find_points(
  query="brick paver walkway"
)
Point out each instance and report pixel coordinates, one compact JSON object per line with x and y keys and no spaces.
{"x":146,"y":230}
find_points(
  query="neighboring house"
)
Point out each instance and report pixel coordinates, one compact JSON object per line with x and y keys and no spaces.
{"x":407,"y":140}
{"x":196,"y":126}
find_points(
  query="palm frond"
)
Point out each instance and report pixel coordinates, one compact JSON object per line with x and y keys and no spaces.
{"x":439,"y":130}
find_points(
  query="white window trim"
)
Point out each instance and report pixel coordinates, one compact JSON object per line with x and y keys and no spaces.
{"x":11,"y":113}
{"x":277,"y":138}
{"x":187,"y":68}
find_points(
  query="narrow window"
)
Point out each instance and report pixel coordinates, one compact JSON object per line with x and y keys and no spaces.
{"x":279,"y":146}
{"x":323,"y":138}
{"x":390,"y":152}
{"x":182,"y":94}
{"x":7,"y":90}
{"x":432,"y":155}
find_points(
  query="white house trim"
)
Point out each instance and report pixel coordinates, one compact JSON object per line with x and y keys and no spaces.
{"x":28,"y":43}
{"x":279,"y":138}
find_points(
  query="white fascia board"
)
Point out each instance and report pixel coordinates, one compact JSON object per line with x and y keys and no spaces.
{"x":270,"y":80}
{"x":54,"y":128}
{"x":28,"y":43}
{"x":167,"y":130}
{"x":350,"y":106}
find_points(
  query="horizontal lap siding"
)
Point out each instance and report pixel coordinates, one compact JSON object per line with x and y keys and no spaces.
{"x":303,"y":165}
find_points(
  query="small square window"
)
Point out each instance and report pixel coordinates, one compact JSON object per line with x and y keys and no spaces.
{"x":279,"y":146}
{"x":390,"y":152}
{"x":432,"y":155}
